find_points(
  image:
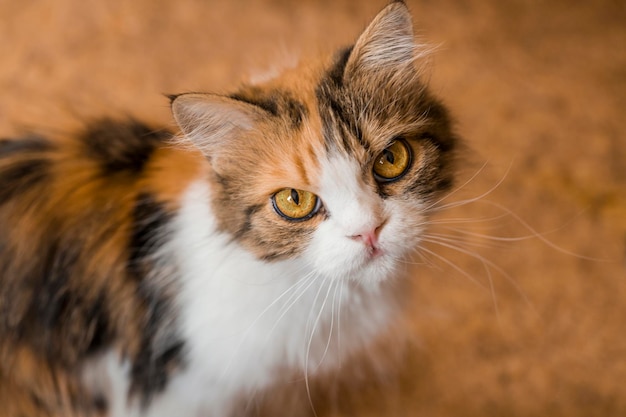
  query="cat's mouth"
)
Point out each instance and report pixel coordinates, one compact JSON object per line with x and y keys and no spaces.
{"x":373,"y":253}
{"x":375,"y":260}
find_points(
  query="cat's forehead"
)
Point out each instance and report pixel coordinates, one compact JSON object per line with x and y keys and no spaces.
{"x":351,"y":116}
{"x":295,"y":159}
{"x":310,"y":99}
{"x":286,"y":152}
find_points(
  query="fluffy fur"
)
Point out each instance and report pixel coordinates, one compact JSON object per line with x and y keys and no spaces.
{"x":144,"y":274}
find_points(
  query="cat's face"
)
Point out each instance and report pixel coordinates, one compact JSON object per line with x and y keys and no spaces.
{"x":337,"y":166}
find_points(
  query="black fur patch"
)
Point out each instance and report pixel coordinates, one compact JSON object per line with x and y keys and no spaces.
{"x":22,"y":176}
{"x":102,"y":333}
{"x":149,"y":221}
{"x":336,"y":73}
{"x":438,"y":177}
{"x":122,"y":146}
{"x":247,"y":224}
{"x":442,"y":136}
{"x":155,"y":363}
{"x":336,"y":103}
{"x":29,"y":144}
{"x":275,"y":102}
{"x":335,"y":106}
{"x":274,"y":256}
{"x":161,"y":350}
{"x":52,"y":315}
{"x":100,"y":404}
{"x":30,"y":168}
{"x":54,"y":299}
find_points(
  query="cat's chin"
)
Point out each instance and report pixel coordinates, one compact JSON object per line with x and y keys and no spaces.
{"x":345,"y":259}
{"x":378,"y":267}
{"x":367,"y":268}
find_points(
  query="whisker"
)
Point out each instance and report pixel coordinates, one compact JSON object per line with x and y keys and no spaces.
{"x":292,"y":300}
{"x":293,"y":288}
{"x":480,"y":197}
{"x":492,"y":289}
{"x":541,"y":236}
{"x":336,"y":285}
{"x":339,"y":304}
{"x":475,"y":242}
{"x":455,"y":266}
{"x":424,"y":260}
{"x":465,"y":220}
{"x":318,"y":316}
{"x":310,"y":342}
{"x":451,"y":193}
{"x":486,"y":262}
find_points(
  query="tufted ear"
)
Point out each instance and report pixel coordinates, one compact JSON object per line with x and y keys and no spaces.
{"x":386,"y":44}
{"x":210,"y":121}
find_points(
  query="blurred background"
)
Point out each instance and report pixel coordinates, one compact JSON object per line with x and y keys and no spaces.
{"x":520,"y":305}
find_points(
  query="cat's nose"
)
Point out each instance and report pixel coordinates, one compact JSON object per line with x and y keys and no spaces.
{"x":369,"y":237}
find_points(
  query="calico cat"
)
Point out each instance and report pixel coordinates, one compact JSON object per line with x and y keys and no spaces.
{"x":147,"y":273}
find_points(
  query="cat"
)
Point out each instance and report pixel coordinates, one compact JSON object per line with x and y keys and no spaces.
{"x":149,"y":273}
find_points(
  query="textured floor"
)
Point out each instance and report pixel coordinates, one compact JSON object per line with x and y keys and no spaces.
{"x":529,"y":322}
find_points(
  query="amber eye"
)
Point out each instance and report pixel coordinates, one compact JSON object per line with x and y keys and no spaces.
{"x":392,"y":163}
{"x":295,"y":204}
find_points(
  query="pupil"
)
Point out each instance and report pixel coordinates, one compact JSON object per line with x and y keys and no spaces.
{"x":389,"y":156}
{"x":295,"y":197}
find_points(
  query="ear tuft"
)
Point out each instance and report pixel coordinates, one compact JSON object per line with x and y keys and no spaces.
{"x":386,"y":43}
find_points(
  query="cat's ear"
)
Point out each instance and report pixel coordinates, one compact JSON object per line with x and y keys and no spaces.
{"x":387,"y":43}
{"x":210,"y":121}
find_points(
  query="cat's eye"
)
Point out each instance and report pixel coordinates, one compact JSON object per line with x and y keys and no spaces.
{"x":295,"y":205}
{"x":392,"y":163}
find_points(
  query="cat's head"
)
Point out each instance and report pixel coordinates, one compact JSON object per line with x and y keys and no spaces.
{"x":335,"y":163}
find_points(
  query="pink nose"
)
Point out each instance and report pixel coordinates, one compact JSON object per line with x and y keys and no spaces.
{"x":369,"y":238}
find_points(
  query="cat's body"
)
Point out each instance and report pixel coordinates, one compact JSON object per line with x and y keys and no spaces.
{"x":146,"y":276}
